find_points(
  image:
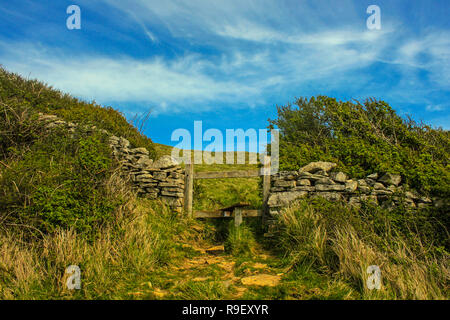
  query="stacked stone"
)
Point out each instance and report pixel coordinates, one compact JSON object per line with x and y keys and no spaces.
{"x":162,"y":179}
{"x":52,"y":121}
{"x":316,"y":180}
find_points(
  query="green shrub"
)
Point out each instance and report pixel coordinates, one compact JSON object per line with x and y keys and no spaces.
{"x":60,"y":182}
{"x":363,"y":139}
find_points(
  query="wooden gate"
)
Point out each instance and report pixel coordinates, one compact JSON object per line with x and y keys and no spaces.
{"x":236,"y":211}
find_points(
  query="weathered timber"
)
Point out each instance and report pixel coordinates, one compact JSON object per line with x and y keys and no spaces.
{"x":228,"y":174}
{"x":226,"y":214}
{"x":189,"y":189}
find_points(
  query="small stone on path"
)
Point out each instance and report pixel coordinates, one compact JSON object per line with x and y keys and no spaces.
{"x":216,"y":250}
{"x":261,"y":280}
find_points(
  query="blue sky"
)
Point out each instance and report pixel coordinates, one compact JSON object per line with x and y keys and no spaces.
{"x":230,"y":63}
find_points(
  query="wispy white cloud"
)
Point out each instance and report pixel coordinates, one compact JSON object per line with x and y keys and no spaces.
{"x":437,"y":107}
{"x":259,"y":47}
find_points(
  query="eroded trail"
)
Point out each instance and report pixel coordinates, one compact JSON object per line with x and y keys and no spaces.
{"x":205,"y":271}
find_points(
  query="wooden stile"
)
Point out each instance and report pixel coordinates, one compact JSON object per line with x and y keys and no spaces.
{"x":189,"y":189}
{"x":237,"y":211}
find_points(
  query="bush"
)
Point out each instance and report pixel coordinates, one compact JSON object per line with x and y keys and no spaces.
{"x":60,"y":182}
{"x":364,"y":138}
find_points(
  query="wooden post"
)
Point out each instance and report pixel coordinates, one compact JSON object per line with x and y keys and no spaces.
{"x":266,"y":186}
{"x":189,"y":188}
{"x":237,"y":217}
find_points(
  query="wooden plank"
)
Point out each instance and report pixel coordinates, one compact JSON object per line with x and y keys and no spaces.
{"x":212,"y":214}
{"x":237,"y":217}
{"x":226,"y":214}
{"x":227,"y":174}
{"x":251,"y":213}
{"x":189,"y":189}
{"x":266,"y":186}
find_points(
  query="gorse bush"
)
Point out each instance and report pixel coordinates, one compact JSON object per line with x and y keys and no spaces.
{"x":364,"y":138}
{"x":18,"y":94}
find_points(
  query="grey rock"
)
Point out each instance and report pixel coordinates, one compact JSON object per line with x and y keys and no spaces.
{"x":325,"y":180}
{"x":425,"y":200}
{"x":339,"y":177}
{"x":172,"y":194}
{"x":304,"y":188}
{"x":140,"y":151}
{"x":373,"y":176}
{"x":172,"y":201}
{"x":312,"y":177}
{"x":330,"y":187}
{"x":411,"y":195}
{"x":392,"y":188}
{"x":283,"y":199}
{"x":165,"y":162}
{"x":160,"y":175}
{"x":379,"y":192}
{"x":303,"y":182}
{"x":172,"y":184}
{"x":388,"y":179}
{"x":362,"y":182}
{"x":144,"y":177}
{"x":317,"y":166}
{"x":322,"y":173}
{"x":144,"y":162}
{"x":283,"y":183}
{"x":124,"y":142}
{"x":351,"y":186}
{"x":175,"y":175}
{"x":379,"y":186}
{"x":331,"y":196}
{"x":364,"y":189}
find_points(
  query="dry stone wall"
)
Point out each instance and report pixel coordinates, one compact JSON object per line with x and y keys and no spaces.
{"x":317,"y":179}
{"x":161,"y":179}
{"x":164,"y":179}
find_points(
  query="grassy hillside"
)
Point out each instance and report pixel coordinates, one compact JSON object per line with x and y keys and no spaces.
{"x":24,"y":97}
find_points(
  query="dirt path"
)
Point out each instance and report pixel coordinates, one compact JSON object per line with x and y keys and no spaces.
{"x":208,"y":272}
{"x":204,"y":271}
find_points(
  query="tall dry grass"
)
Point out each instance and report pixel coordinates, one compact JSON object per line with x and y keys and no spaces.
{"x":336,"y":248}
{"x":121,"y":254}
